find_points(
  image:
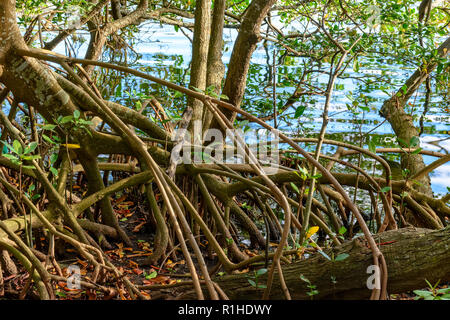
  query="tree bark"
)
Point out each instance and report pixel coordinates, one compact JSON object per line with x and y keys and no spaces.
{"x":115,"y":9}
{"x":215,"y":66}
{"x":99,"y":33}
{"x":34,"y":83}
{"x":412,"y":255}
{"x":65,"y":33}
{"x":245,"y":45}
{"x":200,"y":46}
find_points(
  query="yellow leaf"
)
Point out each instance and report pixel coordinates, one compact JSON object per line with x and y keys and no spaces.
{"x":71,"y":146}
{"x":300,"y":251}
{"x":273,"y":244}
{"x":311,"y":231}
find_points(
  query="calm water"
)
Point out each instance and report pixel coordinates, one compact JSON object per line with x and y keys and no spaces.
{"x":167,"y":54}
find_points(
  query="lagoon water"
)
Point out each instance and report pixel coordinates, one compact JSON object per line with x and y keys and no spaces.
{"x":166,"y":53}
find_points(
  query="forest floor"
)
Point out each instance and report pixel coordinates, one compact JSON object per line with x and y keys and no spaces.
{"x":130,"y":261}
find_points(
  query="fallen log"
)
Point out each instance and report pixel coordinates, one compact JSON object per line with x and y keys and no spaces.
{"x":412,"y":255}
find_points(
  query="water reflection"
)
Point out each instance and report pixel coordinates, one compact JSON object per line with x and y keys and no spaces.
{"x":165,"y":52}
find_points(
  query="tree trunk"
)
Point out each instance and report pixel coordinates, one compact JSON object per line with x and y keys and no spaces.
{"x":412,"y":255}
{"x":34,"y":83}
{"x":99,"y":34}
{"x":215,"y":67}
{"x":245,"y":45}
{"x":200,"y":54}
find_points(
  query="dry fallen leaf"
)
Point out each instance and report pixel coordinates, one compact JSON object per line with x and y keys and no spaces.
{"x":121,"y":199}
{"x":137,"y":271}
{"x":92,"y":295}
{"x":83,"y":263}
{"x":139,"y":226}
{"x":132,"y":263}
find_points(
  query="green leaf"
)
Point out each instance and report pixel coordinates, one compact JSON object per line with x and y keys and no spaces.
{"x":66,"y":119}
{"x":76,"y":114}
{"x":417,"y":182}
{"x":302,"y":170}
{"x":49,"y":127}
{"x":372,"y":146}
{"x":444,"y":290}
{"x":118,"y":92}
{"x":85,"y":122}
{"x":404,"y":88}
{"x":198,"y":90}
{"x":8,"y":146}
{"x":299,"y":111}
{"x":53,"y":158}
{"x":423,"y":293}
{"x":414,"y":142}
{"x":303,"y":278}
{"x":54,"y":171}
{"x":46,"y":138}
{"x":341,"y":257}
{"x":151,"y":275}
{"x":356,"y":66}
{"x":35,"y":197}
{"x":11,"y":157}
{"x":177,"y":94}
{"x":342,"y":230}
{"x":31,"y":147}
{"x":402,"y":142}
{"x":325,"y":255}
{"x":32,"y":157}
{"x":210,"y":88}
{"x":385,"y":189}
{"x":261,"y":271}
{"x":17,"y":147}
{"x":295,"y":187}
{"x":253,"y":283}
{"x":417,"y":151}
{"x":364,"y":108}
